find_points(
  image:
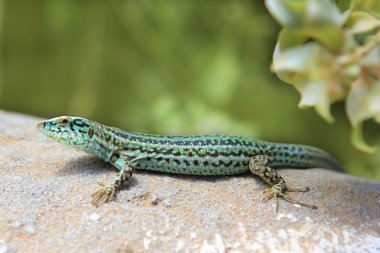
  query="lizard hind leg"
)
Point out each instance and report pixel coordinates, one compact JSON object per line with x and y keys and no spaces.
{"x":258,"y":166}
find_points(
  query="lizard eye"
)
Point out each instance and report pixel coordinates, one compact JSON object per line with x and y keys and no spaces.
{"x":65,"y":121}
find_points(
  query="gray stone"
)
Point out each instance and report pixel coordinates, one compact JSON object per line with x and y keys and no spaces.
{"x":45,"y":205}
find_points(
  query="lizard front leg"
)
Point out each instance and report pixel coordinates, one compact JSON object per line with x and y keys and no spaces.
{"x":108,"y":191}
{"x":258,"y":166}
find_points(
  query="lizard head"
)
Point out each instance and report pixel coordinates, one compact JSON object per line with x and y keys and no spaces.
{"x":73,"y":131}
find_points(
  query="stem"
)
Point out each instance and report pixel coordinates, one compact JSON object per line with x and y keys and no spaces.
{"x":360,"y":52}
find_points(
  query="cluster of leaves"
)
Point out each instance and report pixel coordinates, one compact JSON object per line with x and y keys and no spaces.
{"x":330,"y":51}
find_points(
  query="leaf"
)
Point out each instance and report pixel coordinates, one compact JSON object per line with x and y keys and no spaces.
{"x":286,"y":76}
{"x":344,"y":5}
{"x":290,"y":13}
{"x":331,"y":37}
{"x":363,"y":101}
{"x":301,"y":58}
{"x":371,"y":6}
{"x":289,"y":38}
{"x":324,"y":12}
{"x":316,"y":94}
{"x":286,"y":12}
{"x":360,"y":22}
{"x":358,"y":141}
{"x":306,"y":67}
{"x":295,"y":59}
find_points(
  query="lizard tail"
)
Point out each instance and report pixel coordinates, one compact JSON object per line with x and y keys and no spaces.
{"x":302,"y":156}
{"x":321,"y":158}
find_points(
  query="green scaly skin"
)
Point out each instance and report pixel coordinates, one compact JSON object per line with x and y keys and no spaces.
{"x":184,"y":154}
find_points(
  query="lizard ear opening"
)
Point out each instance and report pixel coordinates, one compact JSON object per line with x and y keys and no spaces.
{"x":90,"y":132}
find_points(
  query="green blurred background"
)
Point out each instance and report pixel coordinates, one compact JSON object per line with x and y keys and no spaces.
{"x":162,"y":67}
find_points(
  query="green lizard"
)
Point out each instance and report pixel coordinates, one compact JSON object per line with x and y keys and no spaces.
{"x":185,"y":154}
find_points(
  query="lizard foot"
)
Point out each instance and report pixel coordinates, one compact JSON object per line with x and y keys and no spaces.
{"x":103,"y":195}
{"x":273,"y":193}
{"x":257,"y":166}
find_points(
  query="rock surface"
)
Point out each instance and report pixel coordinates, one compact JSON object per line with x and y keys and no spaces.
{"x":45,"y":206}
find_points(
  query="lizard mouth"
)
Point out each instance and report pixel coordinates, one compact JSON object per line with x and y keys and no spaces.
{"x":40,"y":125}
{"x":41,"y":128}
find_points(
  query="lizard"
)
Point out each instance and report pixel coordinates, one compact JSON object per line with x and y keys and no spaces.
{"x":186,"y":154}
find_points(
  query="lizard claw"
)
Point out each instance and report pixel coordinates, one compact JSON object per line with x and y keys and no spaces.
{"x":103,"y":195}
{"x":268,"y":195}
{"x":294,"y":201}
